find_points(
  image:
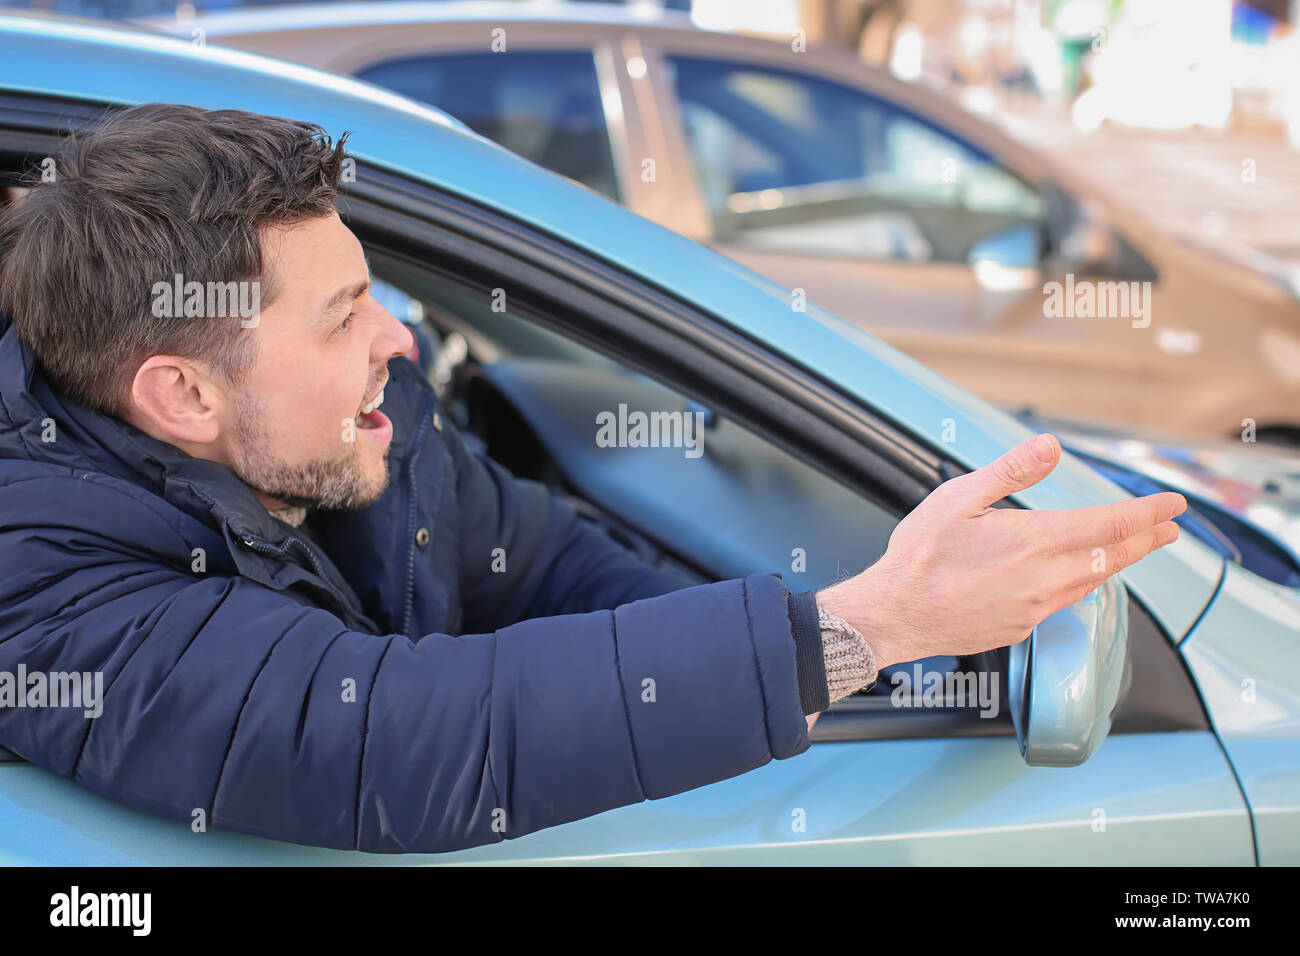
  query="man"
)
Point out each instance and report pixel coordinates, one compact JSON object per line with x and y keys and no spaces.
{"x":272,"y":543}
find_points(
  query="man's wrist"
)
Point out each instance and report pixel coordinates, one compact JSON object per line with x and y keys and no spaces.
{"x":833,"y":659}
{"x":865,"y":609}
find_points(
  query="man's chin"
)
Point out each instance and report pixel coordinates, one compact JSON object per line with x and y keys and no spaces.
{"x":327,"y":486}
{"x":365,"y":491}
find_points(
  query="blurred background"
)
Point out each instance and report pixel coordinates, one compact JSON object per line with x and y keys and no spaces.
{"x":1132,"y":87}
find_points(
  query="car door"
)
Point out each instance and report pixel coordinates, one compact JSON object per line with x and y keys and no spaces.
{"x":892,"y":221}
{"x":883,"y":783}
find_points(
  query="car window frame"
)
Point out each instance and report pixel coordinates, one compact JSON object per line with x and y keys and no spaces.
{"x":648,"y":329}
{"x":1175,"y":707}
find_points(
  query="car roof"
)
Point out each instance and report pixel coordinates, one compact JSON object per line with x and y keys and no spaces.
{"x":292,"y":16}
{"x":62,"y":52}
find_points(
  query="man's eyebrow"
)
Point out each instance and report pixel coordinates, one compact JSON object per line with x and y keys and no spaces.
{"x":345,"y":294}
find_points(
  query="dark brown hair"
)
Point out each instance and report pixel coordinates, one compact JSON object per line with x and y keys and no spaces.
{"x":145,"y":194}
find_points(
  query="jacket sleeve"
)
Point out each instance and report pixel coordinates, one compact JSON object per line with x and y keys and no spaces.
{"x":271,"y":717}
{"x":550,"y":561}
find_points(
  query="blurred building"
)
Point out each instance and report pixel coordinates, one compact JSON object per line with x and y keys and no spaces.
{"x":1148,"y":64}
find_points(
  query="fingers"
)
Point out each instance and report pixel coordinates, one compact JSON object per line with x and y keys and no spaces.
{"x":1093,"y":570}
{"x":1106,"y":525}
{"x":1020,"y":468}
{"x":1103,"y":562}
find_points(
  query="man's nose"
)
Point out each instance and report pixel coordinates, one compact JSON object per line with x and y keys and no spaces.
{"x":395,"y":340}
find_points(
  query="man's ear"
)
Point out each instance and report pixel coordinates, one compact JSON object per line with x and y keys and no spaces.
{"x":176,"y":401}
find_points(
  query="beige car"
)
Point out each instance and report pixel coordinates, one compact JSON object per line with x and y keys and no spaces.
{"x":877,"y":199}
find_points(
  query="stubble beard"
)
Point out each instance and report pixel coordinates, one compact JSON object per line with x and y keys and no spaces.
{"x":330,"y":483}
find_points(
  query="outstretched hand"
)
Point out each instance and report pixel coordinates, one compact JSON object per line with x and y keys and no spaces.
{"x":961,"y":577}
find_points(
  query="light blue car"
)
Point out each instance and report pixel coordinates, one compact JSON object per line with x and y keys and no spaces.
{"x":1156,"y":723}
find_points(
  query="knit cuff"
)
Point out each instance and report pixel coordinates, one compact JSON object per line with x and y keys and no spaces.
{"x":809,"y":664}
{"x":848,"y":659}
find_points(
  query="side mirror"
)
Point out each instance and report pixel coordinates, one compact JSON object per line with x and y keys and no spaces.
{"x":1080,"y":237}
{"x":1089,"y":248}
{"x":1065,"y":680}
{"x":1008,"y":261}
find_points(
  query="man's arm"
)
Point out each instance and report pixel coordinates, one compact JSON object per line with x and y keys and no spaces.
{"x":228,"y":697}
{"x":272,"y":718}
{"x":959,"y":576}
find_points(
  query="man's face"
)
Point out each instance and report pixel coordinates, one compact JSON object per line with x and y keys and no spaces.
{"x":298,"y":433}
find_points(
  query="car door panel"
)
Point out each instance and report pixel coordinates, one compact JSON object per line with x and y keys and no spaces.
{"x":1143,"y":799}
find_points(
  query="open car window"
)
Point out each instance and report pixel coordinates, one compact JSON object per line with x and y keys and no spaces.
{"x":672,"y":479}
{"x":697,"y":484}
{"x":446,"y":260}
{"x":719,"y":502}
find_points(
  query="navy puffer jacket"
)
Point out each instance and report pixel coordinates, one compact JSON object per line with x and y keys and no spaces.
{"x":385,"y":690}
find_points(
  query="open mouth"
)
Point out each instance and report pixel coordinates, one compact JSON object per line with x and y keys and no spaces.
{"x":370,"y":416}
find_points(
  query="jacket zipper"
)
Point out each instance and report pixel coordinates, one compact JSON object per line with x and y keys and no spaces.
{"x":417,"y":445}
{"x":317,"y":567}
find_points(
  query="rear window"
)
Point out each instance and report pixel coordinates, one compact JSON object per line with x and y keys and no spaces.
{"x":545,"y":106}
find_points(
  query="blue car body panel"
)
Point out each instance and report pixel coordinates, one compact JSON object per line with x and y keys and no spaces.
{"x":1145,"y":798}
{"x":1245,"y":656}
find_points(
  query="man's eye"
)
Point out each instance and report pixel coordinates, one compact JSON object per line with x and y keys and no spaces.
{"x":345,"y":324}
